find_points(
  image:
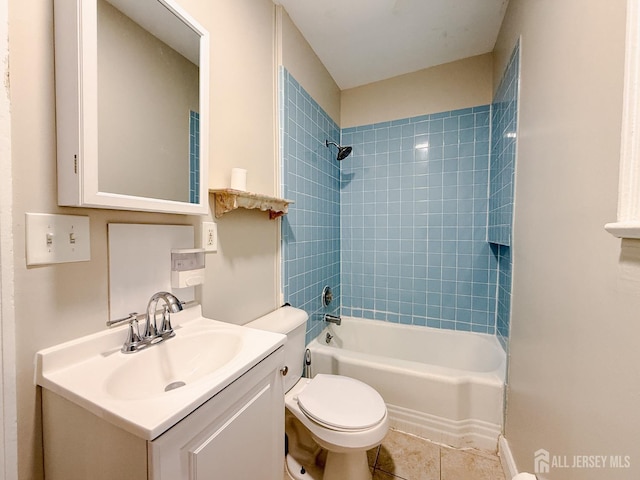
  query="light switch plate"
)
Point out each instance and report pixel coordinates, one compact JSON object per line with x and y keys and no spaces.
{"x":57,"y":238}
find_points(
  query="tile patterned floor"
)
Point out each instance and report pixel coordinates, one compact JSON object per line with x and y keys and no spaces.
{"x":407,"y":457}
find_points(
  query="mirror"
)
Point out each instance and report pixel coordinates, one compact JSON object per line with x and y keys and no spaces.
{"x":133,"y":140}
{"x":147,"y":98}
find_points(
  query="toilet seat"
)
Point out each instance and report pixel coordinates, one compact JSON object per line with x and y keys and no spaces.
{"x":341,"y":403}
{"x":331,"y":438}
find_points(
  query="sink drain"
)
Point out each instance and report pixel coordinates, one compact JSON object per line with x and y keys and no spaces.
{"x":173,"y":386}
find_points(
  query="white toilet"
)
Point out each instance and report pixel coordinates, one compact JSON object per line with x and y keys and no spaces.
{"x":343,"y":415}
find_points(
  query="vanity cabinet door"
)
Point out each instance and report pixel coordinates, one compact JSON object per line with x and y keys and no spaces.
{"x":238,"y":434}
{"x":237,"y":448}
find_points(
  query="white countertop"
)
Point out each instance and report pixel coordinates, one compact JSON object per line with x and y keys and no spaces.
{"x":82,"y":371}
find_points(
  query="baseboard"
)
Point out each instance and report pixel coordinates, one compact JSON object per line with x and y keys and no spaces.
{"x":457,"y":433}
{"x":506,"y":458}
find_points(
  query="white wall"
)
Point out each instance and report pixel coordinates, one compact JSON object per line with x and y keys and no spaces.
{"x":574,"y":356}
{"x":8,"y":414}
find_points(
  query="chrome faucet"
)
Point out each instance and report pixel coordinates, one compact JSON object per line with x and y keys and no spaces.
{"x":332,"y":318}
{"x":151,"y":335}
{"x":172,"y":305}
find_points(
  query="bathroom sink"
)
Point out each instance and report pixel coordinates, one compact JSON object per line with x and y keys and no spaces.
{"x":149,"y":391}
{"x":175,"y":363}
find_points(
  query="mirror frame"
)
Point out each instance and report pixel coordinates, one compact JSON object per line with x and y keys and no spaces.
{"x":76,"y":68}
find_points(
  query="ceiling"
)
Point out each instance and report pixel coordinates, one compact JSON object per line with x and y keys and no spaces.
{"x":363,"y":41}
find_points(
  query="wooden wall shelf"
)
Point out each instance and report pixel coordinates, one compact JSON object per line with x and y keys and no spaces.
{"x":227,"y":199}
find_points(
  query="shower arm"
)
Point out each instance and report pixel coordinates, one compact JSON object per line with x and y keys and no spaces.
{"x":343,"y":151}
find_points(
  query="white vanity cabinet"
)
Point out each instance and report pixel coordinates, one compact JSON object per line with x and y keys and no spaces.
{"x":237,"y":434}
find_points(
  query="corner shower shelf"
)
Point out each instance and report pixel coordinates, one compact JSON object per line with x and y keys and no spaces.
{"x":227,"y":199}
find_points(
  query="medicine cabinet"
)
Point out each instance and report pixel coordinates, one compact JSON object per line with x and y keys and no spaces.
{"x":132,"y":106}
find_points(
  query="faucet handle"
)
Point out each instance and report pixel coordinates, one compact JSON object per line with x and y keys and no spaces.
{"x":166,"y":330}
{"x":150,"y":328}
{"x":133,"y":341}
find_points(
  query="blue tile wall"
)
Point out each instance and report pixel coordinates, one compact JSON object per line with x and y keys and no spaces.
{"x":504,"y":127}
{"x":414,"y":204}
{"x":399,"y":229}
{"x":503,"y":307}
{"x":311,"y":178}
{"x":194,"y":157}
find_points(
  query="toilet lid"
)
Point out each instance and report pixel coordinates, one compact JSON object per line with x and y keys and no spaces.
{"x":342,"y":402}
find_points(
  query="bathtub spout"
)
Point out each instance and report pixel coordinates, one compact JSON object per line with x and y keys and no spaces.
{"x":332,"y":319}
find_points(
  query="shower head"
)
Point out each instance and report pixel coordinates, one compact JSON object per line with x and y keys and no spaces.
{"x":343,"y":152}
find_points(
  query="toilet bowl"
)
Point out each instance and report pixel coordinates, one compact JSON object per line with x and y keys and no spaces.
{"x":344,"y":416}
{"x":340,"y":412}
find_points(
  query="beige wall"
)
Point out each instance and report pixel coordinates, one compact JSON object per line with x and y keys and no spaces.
{"x":574,"y":356}
{"x":461,"y":84}
{"x":243,"y":101}
{"x":300,"y":60}
{"x":574,"y":350}
{"x":242,"y":278}
{"x":60,"y":302}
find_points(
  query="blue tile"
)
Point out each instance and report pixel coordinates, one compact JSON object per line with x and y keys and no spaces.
{"x":417,"y":183}
{"x":311,"y":256}
{"x":399,"y":229}
{"x":502,"y":158}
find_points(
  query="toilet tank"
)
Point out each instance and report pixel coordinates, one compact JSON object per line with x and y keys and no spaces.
{"x":291,"y":322}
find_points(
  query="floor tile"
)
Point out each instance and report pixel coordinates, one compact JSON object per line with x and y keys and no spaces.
{"x":372,"y":455}
{"x":408,"y":457}
{"x":380,"y":475}
{"x":463,"y":464}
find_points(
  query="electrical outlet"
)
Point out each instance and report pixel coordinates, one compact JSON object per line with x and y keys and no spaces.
{"x":210,"y":236}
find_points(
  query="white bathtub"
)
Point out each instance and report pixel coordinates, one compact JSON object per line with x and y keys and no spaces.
{"x":444,"y":385}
